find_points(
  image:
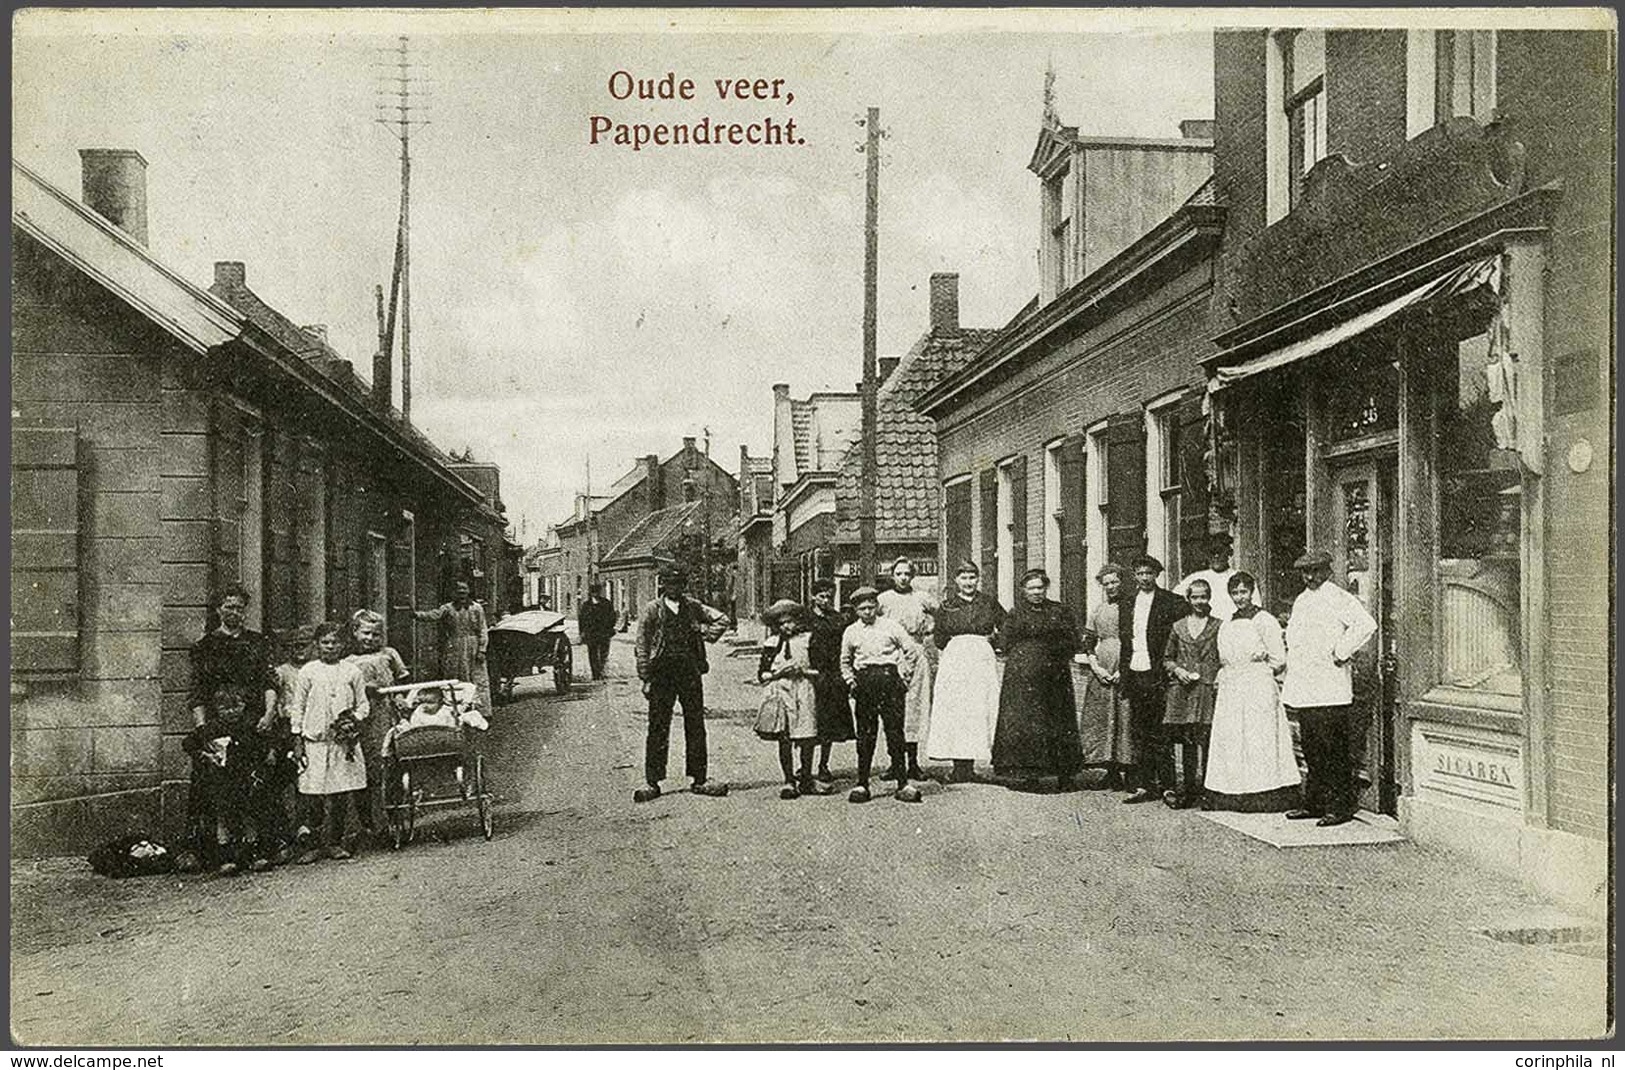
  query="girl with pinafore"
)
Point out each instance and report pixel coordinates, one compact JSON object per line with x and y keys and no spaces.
{"x":329,"y":704}
{"x":1250,"y":764}
{"x":788,"y":674}
{"x":1191,"y":659}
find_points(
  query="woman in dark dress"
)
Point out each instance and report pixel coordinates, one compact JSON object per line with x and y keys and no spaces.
{"x":965,"y":704}
{"x":1037,"y":734}
{"x":825,"y":625}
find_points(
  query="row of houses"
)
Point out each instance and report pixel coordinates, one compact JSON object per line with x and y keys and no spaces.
{"x":659,"y":511}
{"x":170,"y":439}
{"x":1365,"y":308}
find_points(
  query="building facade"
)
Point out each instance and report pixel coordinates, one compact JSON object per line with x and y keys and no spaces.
{"x":168,"y":441}
{"x":1075,"y":437}
{"x":1413,"y":374}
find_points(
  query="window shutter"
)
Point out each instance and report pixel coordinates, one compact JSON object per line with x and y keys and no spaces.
{"x":1018,"y":517}
{"x":990,"y":529}
{"x":44,"y":550}
{"x":1125,"y":487}
{"x":1193,"y":491}
{"x":1074,"y":513}
{"x":957,"y":507}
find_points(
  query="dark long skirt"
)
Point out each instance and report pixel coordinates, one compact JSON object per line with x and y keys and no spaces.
{"x":834,"y":710}
{"x":1037,"y":732}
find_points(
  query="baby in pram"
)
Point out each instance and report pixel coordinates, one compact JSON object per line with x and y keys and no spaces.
{"x":426,"y":706}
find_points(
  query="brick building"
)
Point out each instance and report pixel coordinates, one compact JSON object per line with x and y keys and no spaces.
{"x":167,"y":440}
{"x":755,"y":568}
{"x":1074,"y":438}
{"x":907,"y":517}
{"x":1414,"y":302}
{"x":650,"y":486}
{"x":810,"y":437}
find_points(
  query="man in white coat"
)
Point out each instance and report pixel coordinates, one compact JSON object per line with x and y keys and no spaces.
{"x":1327,"y":628}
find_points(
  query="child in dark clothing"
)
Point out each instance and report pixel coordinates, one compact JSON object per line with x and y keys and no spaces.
{"x":228,"y":751}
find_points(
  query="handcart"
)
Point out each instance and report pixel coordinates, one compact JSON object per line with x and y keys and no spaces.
{"x":525,"y":644}
{"x":436,"y":764}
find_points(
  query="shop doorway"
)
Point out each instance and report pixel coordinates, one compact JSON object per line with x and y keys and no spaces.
{"x":1363,"y":493}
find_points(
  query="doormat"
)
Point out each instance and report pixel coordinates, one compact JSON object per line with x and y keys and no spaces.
{"x":1276,"y":830}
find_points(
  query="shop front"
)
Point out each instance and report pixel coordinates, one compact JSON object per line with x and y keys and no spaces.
{"x":1399,"y":430}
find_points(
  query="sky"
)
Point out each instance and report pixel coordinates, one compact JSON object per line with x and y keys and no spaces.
{"x":577,"y":305}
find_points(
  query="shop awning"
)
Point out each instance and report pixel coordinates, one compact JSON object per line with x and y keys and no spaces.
{"x":1460,"y":280}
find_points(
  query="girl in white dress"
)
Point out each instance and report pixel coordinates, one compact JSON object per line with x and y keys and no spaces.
{"x":329,"y":706}
{"x":1250,"y":764}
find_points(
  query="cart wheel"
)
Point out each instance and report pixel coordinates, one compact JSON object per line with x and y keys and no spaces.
{"x":487,"y":825}
{"x":562,"y":667}
{"x":400,"y":815}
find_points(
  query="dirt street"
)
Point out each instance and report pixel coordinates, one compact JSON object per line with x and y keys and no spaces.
{"x":979,"y":914}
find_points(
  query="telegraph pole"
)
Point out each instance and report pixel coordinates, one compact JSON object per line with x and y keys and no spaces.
{"x":871,"y":245}
{"x":395,"y":112}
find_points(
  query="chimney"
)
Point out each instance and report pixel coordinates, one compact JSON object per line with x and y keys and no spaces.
{"x":230,"y":273}
{"x":688,"y":443}
{"x":114,"y":183}
{"x":885,"y":367}
{"x":653,"y":483}
{"x":945,"y":302}
{"x":1201,"y":129}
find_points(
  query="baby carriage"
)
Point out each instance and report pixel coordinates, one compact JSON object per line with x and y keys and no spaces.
{"x":432,"y":755}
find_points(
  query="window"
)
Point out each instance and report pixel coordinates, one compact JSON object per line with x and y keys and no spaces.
{"x":1060,"y":236}
{"x":377,"y":595}
{"x":1163,"y":486}
{"x":956,"y":495}
{"x":1095,"y":519}
{"x":1448,"y":73}
{"x":1480,"y":507}
{"x":1303,"y":55}
{"x":1006,"y":589}
{"x":1054,"y":518}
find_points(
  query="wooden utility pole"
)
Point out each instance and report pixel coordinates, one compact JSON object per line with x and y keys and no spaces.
{"x":396,"y":113}
{"x":871,"y":252}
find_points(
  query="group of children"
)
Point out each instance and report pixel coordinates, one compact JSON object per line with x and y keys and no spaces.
{"x":282,"y":787}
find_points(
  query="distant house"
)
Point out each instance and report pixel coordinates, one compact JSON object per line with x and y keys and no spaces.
{"x":166,"y":441}
{"x":755,"y":567}
{"x":630,"y":568}
{"x":650,"y":486}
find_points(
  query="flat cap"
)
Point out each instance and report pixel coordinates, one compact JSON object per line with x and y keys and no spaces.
{"x":1313,"y":559}
{"x":864,"y":594}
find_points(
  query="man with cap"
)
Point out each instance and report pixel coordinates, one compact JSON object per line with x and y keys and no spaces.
{"x":597,"y":620}
{"x":1327,"y":628}
{"x":1217,"y":574}
{"x":1143,"y":624}
{"x":878,"y":659}
{"x":672,"y":633}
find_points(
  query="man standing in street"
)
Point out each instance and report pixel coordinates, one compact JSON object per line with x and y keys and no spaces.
{"x":1143,"y":626}
{"x":1327,"y":628}
{"x":672,"y":633}
{"x":597,"y":620}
